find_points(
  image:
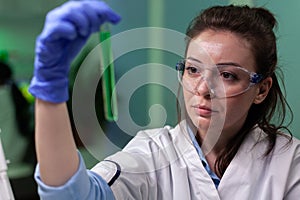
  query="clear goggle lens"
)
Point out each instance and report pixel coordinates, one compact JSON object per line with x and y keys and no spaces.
{"x":222,"y":80}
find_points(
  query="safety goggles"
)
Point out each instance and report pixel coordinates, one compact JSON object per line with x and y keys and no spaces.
{"x":223,"y":81}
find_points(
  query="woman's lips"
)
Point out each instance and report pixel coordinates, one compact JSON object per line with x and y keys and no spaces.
{"x":203,"y":111}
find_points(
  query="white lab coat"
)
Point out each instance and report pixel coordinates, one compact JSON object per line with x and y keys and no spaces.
{"x":163,"y":164}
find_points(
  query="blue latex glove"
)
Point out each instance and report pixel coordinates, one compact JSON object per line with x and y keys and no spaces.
{"x":66,"y":30}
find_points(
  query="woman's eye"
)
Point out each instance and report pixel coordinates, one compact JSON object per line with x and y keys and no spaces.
{"x":228,"y":76}
{"x":192,"y":70}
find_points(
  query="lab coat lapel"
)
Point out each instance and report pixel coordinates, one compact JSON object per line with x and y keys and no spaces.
{"x":201,"y":184}
{"x":244,"y":171}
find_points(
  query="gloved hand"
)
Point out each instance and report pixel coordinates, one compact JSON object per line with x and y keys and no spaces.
{"x":66,"y":30}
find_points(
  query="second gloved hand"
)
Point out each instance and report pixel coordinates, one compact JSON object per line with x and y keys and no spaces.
{"x":66,"y":30}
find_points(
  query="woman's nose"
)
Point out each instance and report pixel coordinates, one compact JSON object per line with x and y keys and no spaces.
{"x":203,"y":88}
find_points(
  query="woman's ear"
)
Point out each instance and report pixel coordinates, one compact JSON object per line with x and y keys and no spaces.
{"x":263,"y":90}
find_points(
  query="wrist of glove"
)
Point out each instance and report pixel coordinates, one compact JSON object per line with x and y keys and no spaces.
{"x":66,"y":30}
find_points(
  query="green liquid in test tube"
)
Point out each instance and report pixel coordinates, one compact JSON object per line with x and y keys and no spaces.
{"x":108,"y":76}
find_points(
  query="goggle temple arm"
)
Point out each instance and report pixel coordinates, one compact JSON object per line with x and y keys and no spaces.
{"x":180,"y":66}
{"x":256,"y":78}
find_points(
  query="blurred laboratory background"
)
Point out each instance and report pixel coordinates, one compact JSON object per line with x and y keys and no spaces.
{"x":150,"y":105}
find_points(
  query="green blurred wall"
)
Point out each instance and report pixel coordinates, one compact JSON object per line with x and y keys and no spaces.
{"x":21,"y":21}
{"x":287,"y":13}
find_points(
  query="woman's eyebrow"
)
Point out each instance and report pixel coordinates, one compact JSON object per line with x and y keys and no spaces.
{"x":229,"y":63}
{"x":218,"y":64}
{"x":194,"y":59}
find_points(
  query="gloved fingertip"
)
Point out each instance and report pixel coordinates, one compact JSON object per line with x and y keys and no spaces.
{"x":115,"y":19}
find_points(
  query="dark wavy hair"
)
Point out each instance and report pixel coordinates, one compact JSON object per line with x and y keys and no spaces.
{"x":255,"y":25}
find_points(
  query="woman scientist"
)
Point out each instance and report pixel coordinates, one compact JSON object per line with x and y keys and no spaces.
{"x":228,"y":74}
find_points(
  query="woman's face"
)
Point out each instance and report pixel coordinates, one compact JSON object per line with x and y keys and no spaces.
{"x":207,"y":112}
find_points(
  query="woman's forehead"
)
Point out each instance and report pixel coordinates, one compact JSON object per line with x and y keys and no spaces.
{"x":213,"y":47}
